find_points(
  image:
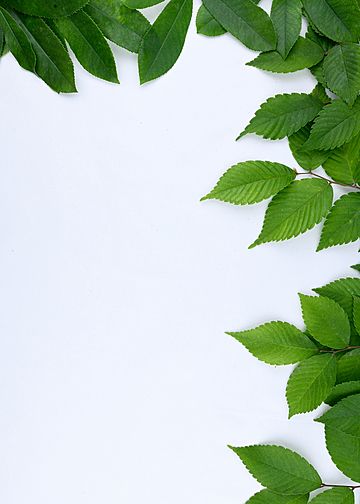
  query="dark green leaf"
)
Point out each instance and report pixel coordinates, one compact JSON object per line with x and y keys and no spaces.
{"x":348,"y":367}
{"x":251,"y":181}
{"x":245,"y":21}
{"x":118,"y":23}
{"x":342,"y":225}
{"x":342,"y":291}
{"x":88,"y":45}
{"x":286,"y":17}
{"x":357,"y":314}
{"x":46,"y":8}
{"x":307,"y":159}
{"x":141,"y":4}
{"x":342,"y":71}
{"x":343,"y":390}
{"x":343,"y":164}
{"x":335,"y":496}
{"x":322,"y":41}
{"x":207,"y":25}
{"x":17,"y":40}
{"x":164,"y":41}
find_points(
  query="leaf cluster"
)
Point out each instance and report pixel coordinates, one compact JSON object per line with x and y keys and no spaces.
{"x":40,"y":35}
{"x":322,"y":127}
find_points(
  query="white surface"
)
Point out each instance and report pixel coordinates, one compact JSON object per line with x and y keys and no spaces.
{"x":117,"y":384}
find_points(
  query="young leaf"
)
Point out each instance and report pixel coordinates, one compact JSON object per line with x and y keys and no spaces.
{"x":348,"y":367}
{"x":17,"y":40}
{"x":245,"y":21}
{"x":283,"y":115}
{"x":357,"y":314}
{"x":310,"y":383}
{"x":342,"y":390}
{"x":342,"y":225}
{"x":251,"y":181}
{"x":88,"y":45}
{"x":344,"y":416}
{"x":44,"y":8}
{"x":277,"y":343}
{"x":163,"y":42}
{"x":267,"y":497}
{"x":335,"y":496}
{"x":286,"y":17}
{"x":307,"y":159}
{"x":304,"y":54}
{"x":118,"y":23}
{"x":343,"y":164}
{"x":296,"y":209}
{"x":339,"y":20}
{"x":141,"y":4}
{"x":342,"y":291}
{"x":326,"y":321}
{"x":342,"y":71}
{"x":344,"y":450}
{"x":53,"y":63}
{"x":279,"y":469}
{"x":206,"y":24}
{"x":336,"y":124}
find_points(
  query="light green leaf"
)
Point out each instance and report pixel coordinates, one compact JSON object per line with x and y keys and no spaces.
{"x":251,"y":181}
{"x":307,"y":159}
{"x":304,"y":54}
{"x":88,"y":45}
{"x":342,"y":390}
{"x":342,"y":71}
{"x":286,"y":17}
{"x":141,"y":4}
{"x":46,"y":8}
{"x":164,"y":41}
{"x":344,"y":416}
{"x":357,"y":314}
{"x":245,"y":21}
{"x":17,"y":40}
{"x":342,"y":225}
{"x":348,"y":367}
{"x":277,"y":343}
{"x":267,"y":497}
{"x":344,"y":450}
{"x":283,"y":115}
{"x":207,"y":25}
{"x":336,"y":125}
{"x":118,"y":23}
{"x":296,"y":209}
{"x":310,"y":383}
{"x":343,"y":164}
{"x":53,"y":64}
{"x":279,"y":469}
{"x":339,"y":20}
{"x":342,"y":291}
{"x":326,"y":321}
{"x":335,"y":496}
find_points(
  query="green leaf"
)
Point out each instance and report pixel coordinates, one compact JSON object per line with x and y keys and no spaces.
{"x":141,"y":4}
{"x":344,"y":416}
{"x":45,"y":8}
{"x":53,"y":64}
{"x":342,"y":225}
{"x":17,"y":40}
{"x":164,"y":41}
{"x":356,"y":267}
{"x":267,"y":497}
{"x":318,"y":73}
{"x":348,"y":367}
{"x":307,"y":159}
{"x":342,"y":390}
{"x":251,"y":181}
{"x":310,"y":383}
{"x":277,"y":343}
{"x":321,"y":40}
{"x":207,"y":25}
{"x":2,"y":40}
{"x":342,"y":71}
{"x":342,"y":291}
{"x":326,"y":321}
{"x":245,"y":21}
{"x":286,"y":17}
{"x":344,"y":450}
{"x":304,"y":54}
{"x":88,"y":45}
{"x":335,"y":125}
{"x":339,"y":20}
{"x":296,"y":209}
{"x":335,"y":496}
{"x":343,"y":164}
{"x":118,"y":23}
{"x":279,"y":469}
{"x":283,"y":115}
{"x":357,"y":314}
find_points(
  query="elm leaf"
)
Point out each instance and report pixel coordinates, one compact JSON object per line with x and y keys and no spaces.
{"x":46,"y":8}
{"x":206,"y":24}
{"x":286,"y":17}
{"x":335,"y":496}
{"x":342,"y":291}
{"x":342,"y":71}
{"x":268,"y":497}
{"x":342,"y":390}
{"x":17,"y":40}
{"x":343,"y":164}
{"x":307,"y":159}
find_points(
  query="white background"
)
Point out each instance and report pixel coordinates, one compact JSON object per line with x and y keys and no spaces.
{"x":117,"y":383}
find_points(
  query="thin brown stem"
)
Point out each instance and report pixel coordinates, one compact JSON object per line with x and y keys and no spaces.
{"x":353,"y":347}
